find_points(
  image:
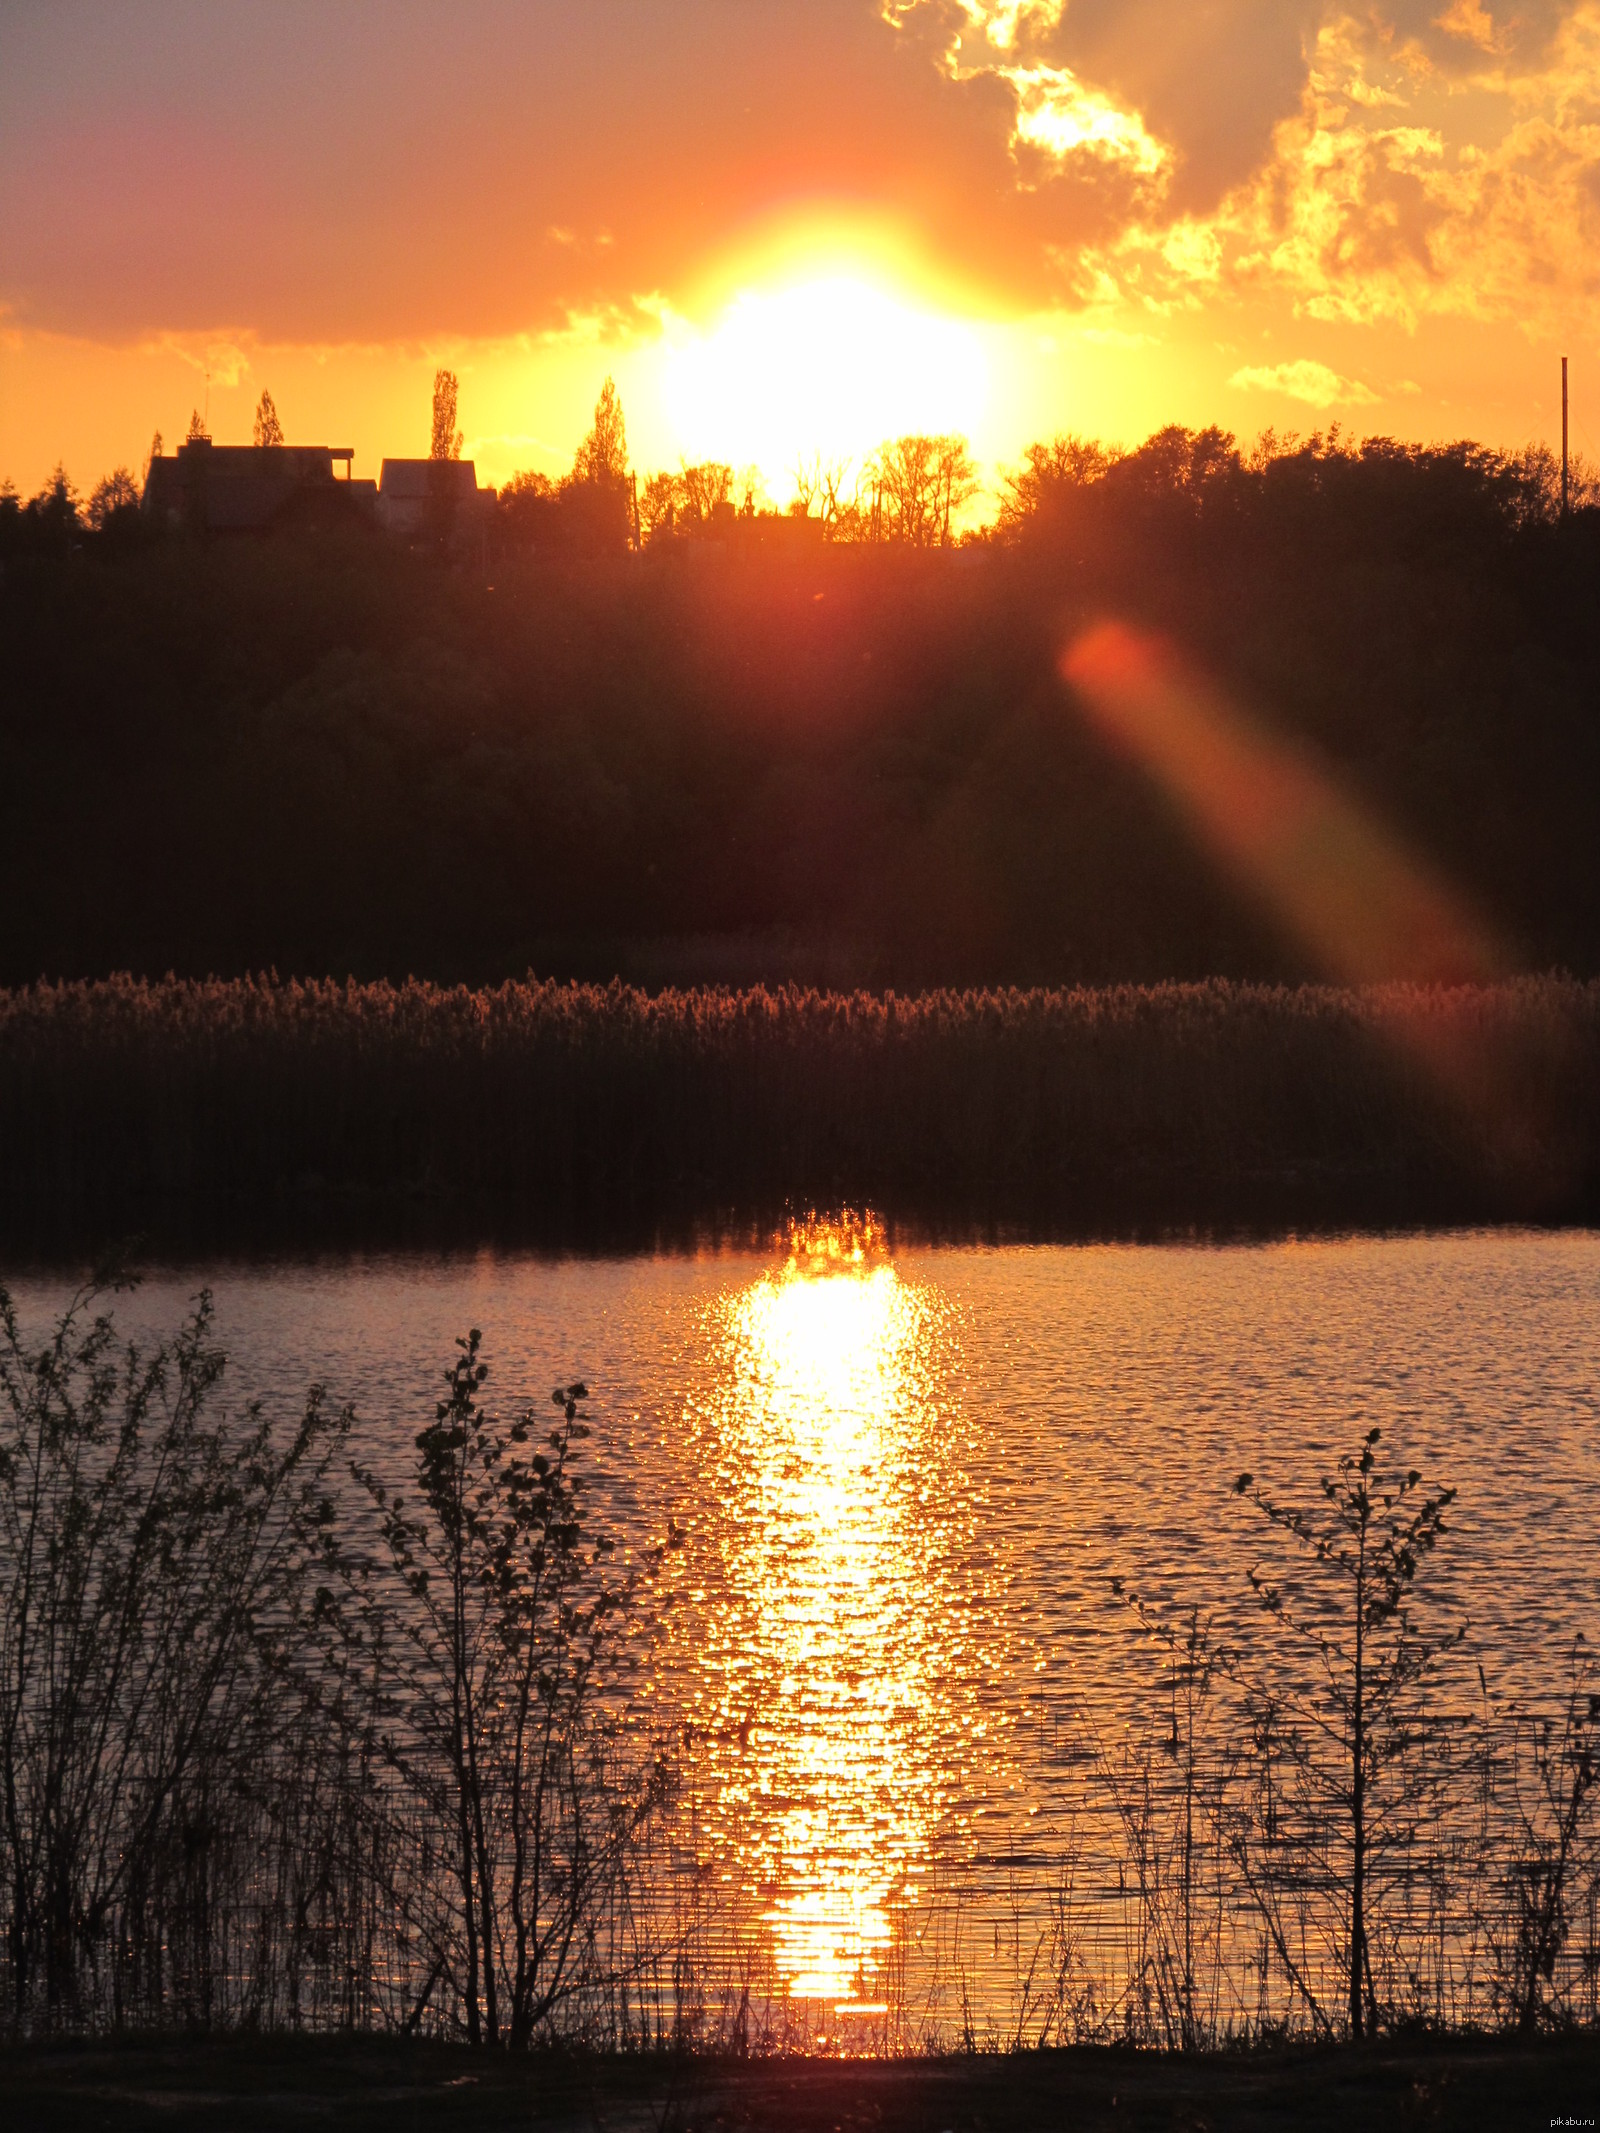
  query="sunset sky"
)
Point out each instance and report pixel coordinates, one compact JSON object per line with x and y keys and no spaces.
{"x":788,"y":225}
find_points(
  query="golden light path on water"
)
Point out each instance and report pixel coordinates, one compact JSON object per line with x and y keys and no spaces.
{"x":823,"y":1696}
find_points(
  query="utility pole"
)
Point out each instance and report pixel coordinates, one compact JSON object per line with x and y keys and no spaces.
{"x":1563,"y":436}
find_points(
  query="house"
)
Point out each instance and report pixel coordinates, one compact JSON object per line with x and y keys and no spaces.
{"x":433,"y":499}
{"x":243,"y":488}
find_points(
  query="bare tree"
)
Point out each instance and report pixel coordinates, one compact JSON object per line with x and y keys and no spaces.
{"x":905,"y":494}
{"x":751,"y":484}
{"x":956,"y":473}
{"x":447,"y":439}
{"x":197,"y":432}
{"x":807,"y":478}
{"x":1369,"y":1536}
{"x":1555,"y":1765}
{"x":821,"y":490}
{"x":510,"y":1601}
{"x":155,"y":1568}
{"x":920,"y":484}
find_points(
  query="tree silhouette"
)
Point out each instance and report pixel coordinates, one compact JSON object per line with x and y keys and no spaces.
{"x":511,"y":1599}
{"x":1370,"y":1535}
{"x":447,"y":439}
{"x":819,"y":492}
{"x":54,"y":510}
{"x":921,"y":483}
{"x":268,"y":429}
{"x":660,"y":501}
{"x":956,"y":474}
{"x":118,"y":491}
{"x":197,"y":431}
{"x":155,"y":453}
{"x":1049,"y":473}
{"x":704,"y":488}
{"x":603,"y":454}
{"x":752,"y":487}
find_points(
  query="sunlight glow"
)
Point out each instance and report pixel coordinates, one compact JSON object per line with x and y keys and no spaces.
{"x":823,"y":1350}
{"x":832,"y":365}
{"x":832,"y":1788}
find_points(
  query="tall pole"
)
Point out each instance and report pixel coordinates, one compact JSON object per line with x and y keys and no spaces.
{"x":1563,"y":436}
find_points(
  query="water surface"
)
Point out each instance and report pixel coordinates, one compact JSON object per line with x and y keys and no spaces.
{"x":893,"y":1653}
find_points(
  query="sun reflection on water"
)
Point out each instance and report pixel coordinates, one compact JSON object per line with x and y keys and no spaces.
{"x":827,"y":1692}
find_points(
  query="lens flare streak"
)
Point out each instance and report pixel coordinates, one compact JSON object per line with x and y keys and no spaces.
{"x":1339,"y":883}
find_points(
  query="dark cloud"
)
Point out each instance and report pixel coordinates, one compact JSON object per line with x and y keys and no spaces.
{"x":1211,"y":79}
{"x":1521,"y":34}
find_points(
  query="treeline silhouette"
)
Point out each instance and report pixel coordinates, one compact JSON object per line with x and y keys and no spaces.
{"x":849,"y":762}
{"x":299,"y":1740}
{"x":234,"y":1110}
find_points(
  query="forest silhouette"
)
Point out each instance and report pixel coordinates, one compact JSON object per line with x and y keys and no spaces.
{"x":839,"y":755}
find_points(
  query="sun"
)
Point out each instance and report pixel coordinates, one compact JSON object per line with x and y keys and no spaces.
{"x":833,"y":363}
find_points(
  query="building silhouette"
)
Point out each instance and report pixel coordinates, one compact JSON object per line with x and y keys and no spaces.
{"x":433,"y":499}
{"x":242,"y":488}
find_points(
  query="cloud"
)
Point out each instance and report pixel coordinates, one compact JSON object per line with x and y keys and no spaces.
{"x":1061,"y":119}
{"x":1312,"y":382}
{"x":359,"y":178}
{"x":1401,"y":189}
{"x":1193,"y":91}
{"x":1367,"y":163}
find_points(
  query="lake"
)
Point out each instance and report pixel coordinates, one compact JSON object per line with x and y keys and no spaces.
{"x":893,"y":1666}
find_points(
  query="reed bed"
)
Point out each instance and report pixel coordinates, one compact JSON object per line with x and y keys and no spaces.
{"x":128,"y":1102}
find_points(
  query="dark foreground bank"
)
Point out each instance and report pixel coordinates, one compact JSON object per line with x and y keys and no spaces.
{"x":242,"y":1110}
{"x":246,"y":2084}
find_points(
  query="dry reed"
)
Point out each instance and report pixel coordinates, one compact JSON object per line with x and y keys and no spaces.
{"x":127,"y":1103}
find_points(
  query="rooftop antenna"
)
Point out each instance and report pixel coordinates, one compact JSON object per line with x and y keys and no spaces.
{"x":1563,"y":436}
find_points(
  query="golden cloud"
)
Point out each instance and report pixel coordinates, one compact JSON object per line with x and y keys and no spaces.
{"x":1363,"y":218}
{"x":1058,"y":116}
{"x":1311,"y":382}
{"x":1062,"y":119}
{"x":1436,"y":161}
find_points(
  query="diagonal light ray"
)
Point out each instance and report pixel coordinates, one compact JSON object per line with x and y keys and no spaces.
{"x":1344,"y":889}
{"x":1340,"y":885}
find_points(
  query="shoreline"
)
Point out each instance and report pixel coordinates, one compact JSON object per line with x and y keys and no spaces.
{"x":367,"y":2081}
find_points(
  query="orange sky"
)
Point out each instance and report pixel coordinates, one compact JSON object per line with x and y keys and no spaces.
{"x":791,"y":225}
